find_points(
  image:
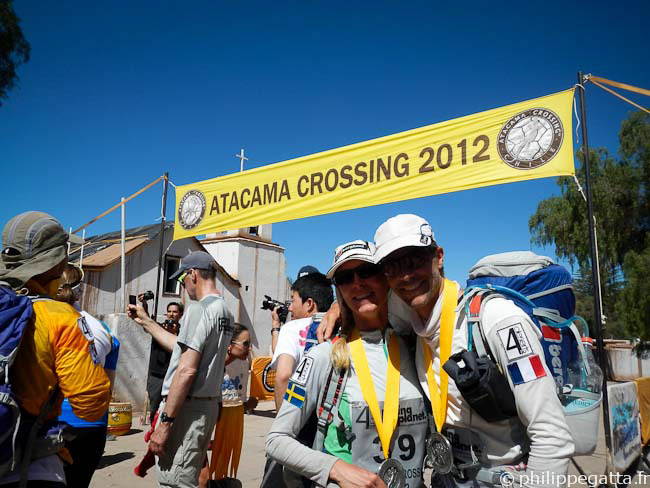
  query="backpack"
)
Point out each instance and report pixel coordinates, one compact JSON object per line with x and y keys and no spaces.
{"x":23,"y":437}
{"x":15,"y":314}
{"x":544,"y":291}
{"x":312,"y":337}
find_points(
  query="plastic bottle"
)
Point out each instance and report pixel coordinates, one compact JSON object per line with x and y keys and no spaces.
{"x":577,"y":374}
{"x":595,"y":379}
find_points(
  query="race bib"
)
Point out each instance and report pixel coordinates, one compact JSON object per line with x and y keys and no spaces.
{"x":408,"y":441}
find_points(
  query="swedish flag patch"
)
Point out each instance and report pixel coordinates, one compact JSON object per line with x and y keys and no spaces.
{"x":295,"y":395}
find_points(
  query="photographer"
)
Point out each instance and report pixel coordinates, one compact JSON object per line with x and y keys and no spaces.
{"x":280,"y":310}
{"x":310,"y":294}
{"x":161,"y":353}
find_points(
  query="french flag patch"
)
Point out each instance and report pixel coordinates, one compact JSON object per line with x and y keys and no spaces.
{"x":527,"y":369}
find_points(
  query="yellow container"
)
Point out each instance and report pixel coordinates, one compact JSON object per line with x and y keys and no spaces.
{"x":120,"y":416}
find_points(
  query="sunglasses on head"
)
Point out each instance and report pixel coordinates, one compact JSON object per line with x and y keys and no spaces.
{"x":364,"y":272}
{"x":407,"y":263}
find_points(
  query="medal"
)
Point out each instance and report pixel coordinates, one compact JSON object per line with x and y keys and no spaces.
{"x":439,"y":454}
{"x":392,"y":473}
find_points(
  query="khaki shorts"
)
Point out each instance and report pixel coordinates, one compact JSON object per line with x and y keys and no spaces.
{"x":186,"y":448}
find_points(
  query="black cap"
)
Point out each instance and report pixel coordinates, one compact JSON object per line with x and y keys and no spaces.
{"x":195,"y":260}
{"x":306,"y":270}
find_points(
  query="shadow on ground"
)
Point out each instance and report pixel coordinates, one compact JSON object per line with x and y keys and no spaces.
{"x":269,"y":414}
{"x":111,"y":459}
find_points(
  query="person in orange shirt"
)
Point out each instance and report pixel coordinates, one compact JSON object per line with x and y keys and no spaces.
{"x":55,"y":358}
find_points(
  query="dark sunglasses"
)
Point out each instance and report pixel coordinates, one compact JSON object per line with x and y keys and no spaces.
{"x":364,"y":272}
{"x":243,"y":344}
{"x":407,"y":263}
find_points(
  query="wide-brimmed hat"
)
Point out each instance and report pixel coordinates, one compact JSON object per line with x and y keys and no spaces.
{"x":32,"y":244}
{"x":361,"y":250}
{"x":404,"y":230}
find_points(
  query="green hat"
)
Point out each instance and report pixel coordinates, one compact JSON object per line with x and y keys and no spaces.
{"x":32,"y":244}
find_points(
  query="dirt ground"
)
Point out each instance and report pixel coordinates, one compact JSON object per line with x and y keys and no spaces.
{"x":124,"y":453}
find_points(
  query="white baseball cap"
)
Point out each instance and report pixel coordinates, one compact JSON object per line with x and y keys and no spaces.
{"x":404,"y":230}
{"x":361,"y":250}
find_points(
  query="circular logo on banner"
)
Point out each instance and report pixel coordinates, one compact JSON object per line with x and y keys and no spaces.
{"x":268,"y":378}
{"x":191,"y":209}
{"x":530,"y":139}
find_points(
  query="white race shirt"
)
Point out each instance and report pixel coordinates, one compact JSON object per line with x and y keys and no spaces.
{"x":292,"y":340}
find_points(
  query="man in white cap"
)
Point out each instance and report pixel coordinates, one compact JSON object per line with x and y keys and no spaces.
{"x":421,"y":299}
{"x":53,"y":359}
{"x":192,"y":387}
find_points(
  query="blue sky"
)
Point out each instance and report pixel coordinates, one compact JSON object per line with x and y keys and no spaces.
{"x":116,"y":93}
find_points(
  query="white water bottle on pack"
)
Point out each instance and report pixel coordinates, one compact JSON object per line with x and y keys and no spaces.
{"x":577,"y":374}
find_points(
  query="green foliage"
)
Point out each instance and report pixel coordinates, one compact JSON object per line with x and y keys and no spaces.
{"x":14,"y":49}
{"x":622,"y":215}
{"x":633,"y":305}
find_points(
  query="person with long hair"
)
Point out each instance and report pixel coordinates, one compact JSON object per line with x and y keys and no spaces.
{"x":229,"y":431}
{"x":377,"y":424}
{"x":87,"y":448}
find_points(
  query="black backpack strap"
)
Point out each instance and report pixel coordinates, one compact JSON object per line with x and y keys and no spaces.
{"x":328,"y":408}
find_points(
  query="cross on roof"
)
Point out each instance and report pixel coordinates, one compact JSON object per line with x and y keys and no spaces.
{"x":241,"y":158}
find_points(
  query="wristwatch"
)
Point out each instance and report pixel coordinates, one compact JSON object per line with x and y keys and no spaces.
{"x":275,"y":329}
{"x":166,"y":419}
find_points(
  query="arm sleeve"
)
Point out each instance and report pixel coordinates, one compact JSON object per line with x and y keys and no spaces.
{"x":287,"y":343}
{"x":281,"y":442}
{"x":196,"y":327}
{"x":538,"y":406}
{"x":111,"y":359}
{"x":82,"y":382}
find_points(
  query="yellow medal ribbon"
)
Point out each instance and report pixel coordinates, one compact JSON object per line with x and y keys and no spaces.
{"x":439,"y":395}
{"x":386,"y":426}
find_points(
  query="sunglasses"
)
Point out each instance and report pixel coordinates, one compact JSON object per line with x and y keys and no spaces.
{"x":406,"y":263}
{"x":364,"y":272}
{"x":181,"y":278}
{"x":242,"y":344}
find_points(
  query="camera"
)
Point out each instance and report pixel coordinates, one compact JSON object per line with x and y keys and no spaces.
{"x":269,"y":304}
{"x":171,"y":326}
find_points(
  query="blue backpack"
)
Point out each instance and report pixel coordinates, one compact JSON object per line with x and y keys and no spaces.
{"x":312,"y":337}
{"x":15,"y":313}
{"x":543,"y":290}
{"x":23,"y":436}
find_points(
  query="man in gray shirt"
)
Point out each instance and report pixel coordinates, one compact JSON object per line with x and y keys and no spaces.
{"x":192,"y":387}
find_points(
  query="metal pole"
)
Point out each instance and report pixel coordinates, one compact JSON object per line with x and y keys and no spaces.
{"x":123,"y":258}
{"x":81,"y":254}
{"x":595,"y":268}
{"x":162,"y":241}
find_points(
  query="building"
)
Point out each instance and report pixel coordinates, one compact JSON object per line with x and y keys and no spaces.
{"x":250,"y":256}
{"x":103,"y":296}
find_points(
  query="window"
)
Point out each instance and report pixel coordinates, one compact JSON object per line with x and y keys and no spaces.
{"x":171,"y":287}
{"x":253,"y":230}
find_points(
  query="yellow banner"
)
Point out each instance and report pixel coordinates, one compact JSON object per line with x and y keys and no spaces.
{"x":523,"y":141}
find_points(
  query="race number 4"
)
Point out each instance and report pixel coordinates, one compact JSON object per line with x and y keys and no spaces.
{"x":515,"y":342}
{"x":301,"y":374}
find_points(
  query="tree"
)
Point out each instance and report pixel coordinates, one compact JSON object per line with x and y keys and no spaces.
{"x":14,"y":49}
{"x":622,"y":214}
